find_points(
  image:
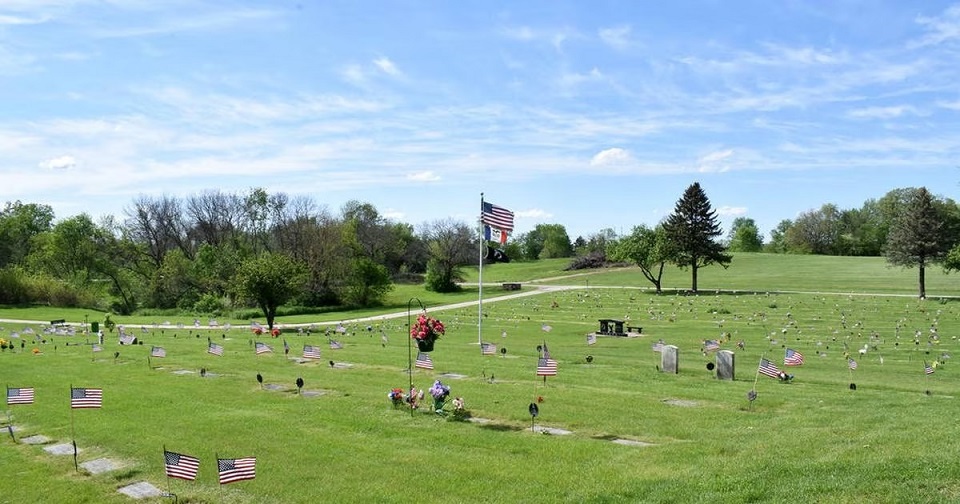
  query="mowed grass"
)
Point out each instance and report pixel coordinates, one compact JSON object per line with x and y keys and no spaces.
{"x":812,"y":440}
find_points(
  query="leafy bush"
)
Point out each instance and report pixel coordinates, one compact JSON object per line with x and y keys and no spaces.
{"x":595,"y":259}
{"x":208,"y":304}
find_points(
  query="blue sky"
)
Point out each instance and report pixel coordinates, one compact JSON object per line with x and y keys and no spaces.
{"x":591,"y":114}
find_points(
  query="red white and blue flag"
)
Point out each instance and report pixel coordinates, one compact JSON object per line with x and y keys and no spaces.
{"x":496,"y":217}
{"x":488,"y":349}
{"x":423,"y":361}
{"x":86,"y":397}
{"x":792,"y":358}
{"x":494,"y":234}
{"x":262,"y":348}
{"x":546,"y":367}
{"x":769,"y":369}
{"x":311,"y":352}
{"x":180,"y":466}
{"x":215,"y":349}
{"x":19,"y":395}
{"x":231,"y":470}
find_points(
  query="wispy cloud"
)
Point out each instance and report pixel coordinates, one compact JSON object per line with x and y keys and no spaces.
{"x":191,"y":22}
{"x":59,"y":163}
{"x":889,"y":112}
{"x":533,"y":214}
{"x":617,"y":37}
{"x":386,"y":66}
{"x":424,"y":176}
{"x":729,"y":211}
{"x":939,"y":29}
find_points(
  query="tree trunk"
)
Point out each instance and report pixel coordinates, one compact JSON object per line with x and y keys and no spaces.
{"x":923,"y":286}
{"x":693,"y":269}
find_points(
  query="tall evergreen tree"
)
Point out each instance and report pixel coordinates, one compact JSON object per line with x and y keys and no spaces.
{"x":917,"y":237}
{"x":692,"y":230}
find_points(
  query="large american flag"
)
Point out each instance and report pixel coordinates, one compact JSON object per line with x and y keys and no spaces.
{"x":546,"y":367}
{"x":262,"y":348}
{"x":792,"y":358}
{"x":852,"y":364}
{"x":423,"y":361}
{"x":335,"y":345}
{"x":769,"y":369}
{"x":311,"y":352}
{"x":215,"y":349}
{"x":231,"y":470}
{"x":20,"y":395}
{"x":927,"y":368}
{"x":591,"y":339}
{"x":86,"y":397}
{"x":488,"y":349}
{"x":180,"y":466}
{"x":711,"y":345}
{"x":158,"y":352}
{"x":496,"y":216}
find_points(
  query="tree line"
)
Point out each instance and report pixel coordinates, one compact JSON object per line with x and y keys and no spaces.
{"x":214,"y":251}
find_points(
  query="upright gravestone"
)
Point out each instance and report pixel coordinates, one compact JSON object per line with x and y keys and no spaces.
{"x":725,"y":365}
{"x":668,"y":359}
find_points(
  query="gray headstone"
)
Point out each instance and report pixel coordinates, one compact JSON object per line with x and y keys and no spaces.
{"x":61,"y":449}
{"x":551,"y":430}
{"x":669,"y":359}
{"x":35,"y":439}
{"x":100,"y":465}
{"x":141,"y":490}
{"x":725,"y":367}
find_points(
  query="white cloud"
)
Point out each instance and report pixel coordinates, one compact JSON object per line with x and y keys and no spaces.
{"x":954,"y":105}
{"x":393,"y":214}
{"x":386,"y":66}
{"x":534,"y":213}
{"x":715,"y":161}
{"x":611,"y":156}
{"x":617,"y":37}
{"x":59,"y":163}
{"x":729,"y":211}
{"x":939,"y":28}
{"x":424,"y":176}
{"x":883,"y":112}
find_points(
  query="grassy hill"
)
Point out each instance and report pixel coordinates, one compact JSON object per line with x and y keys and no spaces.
{"x":685,"y":437}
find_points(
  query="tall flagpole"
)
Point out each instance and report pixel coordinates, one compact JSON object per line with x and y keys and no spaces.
{"x":480,"y":280}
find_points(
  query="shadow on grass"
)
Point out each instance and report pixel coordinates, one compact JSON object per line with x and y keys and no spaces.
{"x":501,"y":427}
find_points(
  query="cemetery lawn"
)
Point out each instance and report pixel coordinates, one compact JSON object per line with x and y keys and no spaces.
{"x":685,"y":437}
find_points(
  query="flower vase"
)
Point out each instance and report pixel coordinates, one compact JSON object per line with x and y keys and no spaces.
{"x":426,"y":344}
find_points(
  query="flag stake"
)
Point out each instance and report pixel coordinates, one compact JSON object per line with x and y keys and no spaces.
{"x":480,"y":276}
{"x":410,"y":347}
{"x":73,"y":432}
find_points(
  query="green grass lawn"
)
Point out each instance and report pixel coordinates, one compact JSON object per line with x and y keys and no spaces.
{"x":812,"y":440}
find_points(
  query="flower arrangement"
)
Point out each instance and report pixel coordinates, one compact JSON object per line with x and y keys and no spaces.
{"x":396,"y":397}
{"x":275,"y":332}
{"x":425,"y":331}
{"x":439,"y":391}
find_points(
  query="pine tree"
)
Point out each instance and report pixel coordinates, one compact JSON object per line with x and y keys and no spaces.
{"x":917,"y":237}
{"x":692,"y":230}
